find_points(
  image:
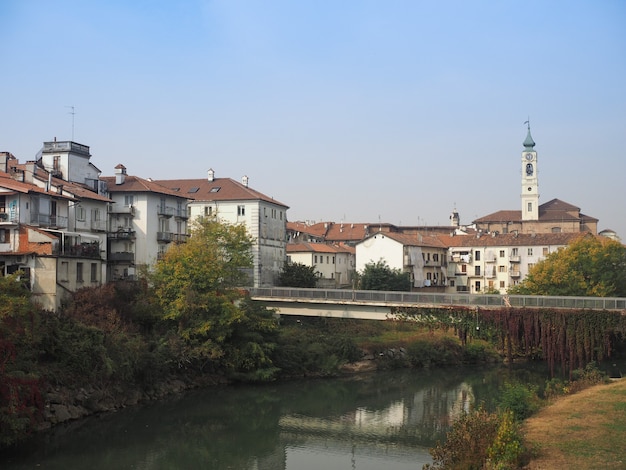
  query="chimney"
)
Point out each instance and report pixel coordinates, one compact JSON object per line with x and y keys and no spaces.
{"x":211,"y":174}
{"x":120,"y":174}
{"x":244,"y":180}
{"x":29,"y":172}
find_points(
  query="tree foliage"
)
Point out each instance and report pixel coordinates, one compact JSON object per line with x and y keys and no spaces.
{"x":196,"y":285}
{"x":297,"y":275}
{"x":590,"y":266}
{"x":379,"y":276}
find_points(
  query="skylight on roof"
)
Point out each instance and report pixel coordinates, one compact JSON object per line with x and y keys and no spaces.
{"x":215,"y":189}
{"x":176,"y":189}
{"x":193,"y":190}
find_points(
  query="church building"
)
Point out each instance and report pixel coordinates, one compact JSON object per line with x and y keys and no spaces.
{"x":554,"y":216}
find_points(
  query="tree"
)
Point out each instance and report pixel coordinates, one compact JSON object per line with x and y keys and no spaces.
{"x":297,"y":275}
{"x":590,"y":266}
{"x":197,"y":284}
{"x":379,"y":276}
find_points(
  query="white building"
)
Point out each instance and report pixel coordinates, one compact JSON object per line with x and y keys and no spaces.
{"x":334,"y":264}
{"x":36,"y":237}
{"x":236,"y":203}
{"x":423,"y":257}
{"x":144,"y":219}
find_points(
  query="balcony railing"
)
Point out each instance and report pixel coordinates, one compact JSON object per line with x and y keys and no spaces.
{"x":515,"y":258}
{"x":121,"y":209}
{"x":164,"y":236}
{"x":122,"y":235}
{"x":46,"y":220}
{"x":181,"y":214}
{"x":515,"y":274}
{"x":6,"y":217}
{"x":80,"y":250}
{"x":180,"y":237}
{"x":122,"y":256}
{"x":165,"y":211}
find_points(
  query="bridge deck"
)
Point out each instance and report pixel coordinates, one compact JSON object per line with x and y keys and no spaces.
{"x":430,"y":300}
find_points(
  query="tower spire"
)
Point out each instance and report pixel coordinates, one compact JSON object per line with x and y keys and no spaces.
{"x":529,"y":143}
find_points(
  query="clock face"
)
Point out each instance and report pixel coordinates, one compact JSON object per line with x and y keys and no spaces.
{"x":529,"y":156}
{"x":530,"y":189}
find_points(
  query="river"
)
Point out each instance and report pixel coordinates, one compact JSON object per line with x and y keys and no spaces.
{"x":364,"y":422}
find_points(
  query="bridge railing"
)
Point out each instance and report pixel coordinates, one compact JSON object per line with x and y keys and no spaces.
{"x":416,"y":298}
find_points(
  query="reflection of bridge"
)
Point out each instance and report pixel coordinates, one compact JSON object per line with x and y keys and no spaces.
{"x":378,"y":305}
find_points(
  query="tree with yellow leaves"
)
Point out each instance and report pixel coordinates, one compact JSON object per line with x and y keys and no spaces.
{"x":590,"y":266}
{"x":198,"y":286}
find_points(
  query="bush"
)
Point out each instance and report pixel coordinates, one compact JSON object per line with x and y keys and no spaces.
{"x":433,"y":352}
{"x":479,"y":440}
{"x":521,"y":400}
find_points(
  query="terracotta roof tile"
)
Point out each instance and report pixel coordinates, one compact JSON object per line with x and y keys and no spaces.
{"x":220,"y":189}
{"x":138,"y":185}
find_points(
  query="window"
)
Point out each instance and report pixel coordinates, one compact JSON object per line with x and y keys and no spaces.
{"x":491,"y":286}
{"x":215,"y":189}
{"x":477,"y":270}
{"x":435,"y":257}
{"x":64,"y":271}
{"x":501,"y":284}
{"x":530,"y":266}
{"x":241,"y":210}
{"x":546,"y":250}
{"x":208,"y":211}
{"x":514,"y":252}
{"x":477,"y":286}
{"x":129,"y":200}
{"x":315,"y":259}
{"x":94,"y":272}
{"x":464,"y":268}
{"x":333,"y":260}
{"x":477,"y":255}
{"x":530,"y":251}
{"x":193,"y":190}
{"x":79,"y":272}
{"x":530,"y":207}
{"x":80,"y":213}
{"x":501,"y":269}
{"x":5,"y":236}
{"x":96,"y":214}
{"x":451,"y":282}
{"x":556,"y":229}
{"x":429,"y":276}
{"x":501,"y":253}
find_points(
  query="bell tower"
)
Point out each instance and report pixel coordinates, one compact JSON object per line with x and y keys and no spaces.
{"x":530,"y":182}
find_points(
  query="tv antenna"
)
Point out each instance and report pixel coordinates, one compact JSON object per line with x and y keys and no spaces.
{"x":73,"y":113}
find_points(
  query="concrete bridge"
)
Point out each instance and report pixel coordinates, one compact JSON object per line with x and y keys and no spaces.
{"x":378,"y":305}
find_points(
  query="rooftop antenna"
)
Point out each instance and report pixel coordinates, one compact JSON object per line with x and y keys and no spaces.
{"x":73,"y":113}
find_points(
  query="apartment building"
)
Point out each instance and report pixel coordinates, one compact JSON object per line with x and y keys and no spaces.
{"x":145,"y":218}
{"x":236,"y":202}
{"x":334,"y":263}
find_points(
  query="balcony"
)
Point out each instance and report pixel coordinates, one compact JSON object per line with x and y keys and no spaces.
{"x":7,"y":218}
{"x":122,"y":235}
{"x":165,"y":236}
{"x":123,"y":256}
{"x":165,"y":211}
{"x":81,"y":250}
{"x":180,"y":237}
{"x":120,"y":209}
{"x":181,"y":214}
{"x":515,"y":274}
{"x":48,"y":221}
{"x":515,"y":259}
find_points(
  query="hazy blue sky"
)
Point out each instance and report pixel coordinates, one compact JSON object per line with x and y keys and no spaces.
{"x":358,"y":111}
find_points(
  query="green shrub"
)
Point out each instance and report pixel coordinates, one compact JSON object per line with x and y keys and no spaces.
{"x":519,"y":399}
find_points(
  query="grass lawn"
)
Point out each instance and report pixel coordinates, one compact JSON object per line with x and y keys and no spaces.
{"x":586,"y":430}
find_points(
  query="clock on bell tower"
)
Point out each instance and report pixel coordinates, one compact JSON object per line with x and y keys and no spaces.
{"x":530,"y":182}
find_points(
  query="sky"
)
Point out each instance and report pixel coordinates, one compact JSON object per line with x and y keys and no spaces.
{"x":346,"y":111}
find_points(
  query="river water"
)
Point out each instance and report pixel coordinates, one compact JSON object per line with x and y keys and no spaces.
{"x":385,"y":420}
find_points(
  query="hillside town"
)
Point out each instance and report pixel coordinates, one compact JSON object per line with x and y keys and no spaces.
{"x":65,"y":226}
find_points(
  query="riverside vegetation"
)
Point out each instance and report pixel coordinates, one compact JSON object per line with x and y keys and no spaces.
{"x":187,"y":324}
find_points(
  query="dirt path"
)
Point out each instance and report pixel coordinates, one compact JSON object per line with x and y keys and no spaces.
{"x":586,"y":430}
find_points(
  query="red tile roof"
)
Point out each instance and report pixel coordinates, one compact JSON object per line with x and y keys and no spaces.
{"x":220,"y":189}
{"x":138,"y":185}
{"x":306,"y":247}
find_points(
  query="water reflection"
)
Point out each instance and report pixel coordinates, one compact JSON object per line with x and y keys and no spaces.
{"x":365,"y":422}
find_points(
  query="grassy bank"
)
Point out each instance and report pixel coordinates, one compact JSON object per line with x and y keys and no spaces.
{"x":583,"y":431}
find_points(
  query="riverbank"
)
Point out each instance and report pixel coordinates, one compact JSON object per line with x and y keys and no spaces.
{"x":585,"y":430}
